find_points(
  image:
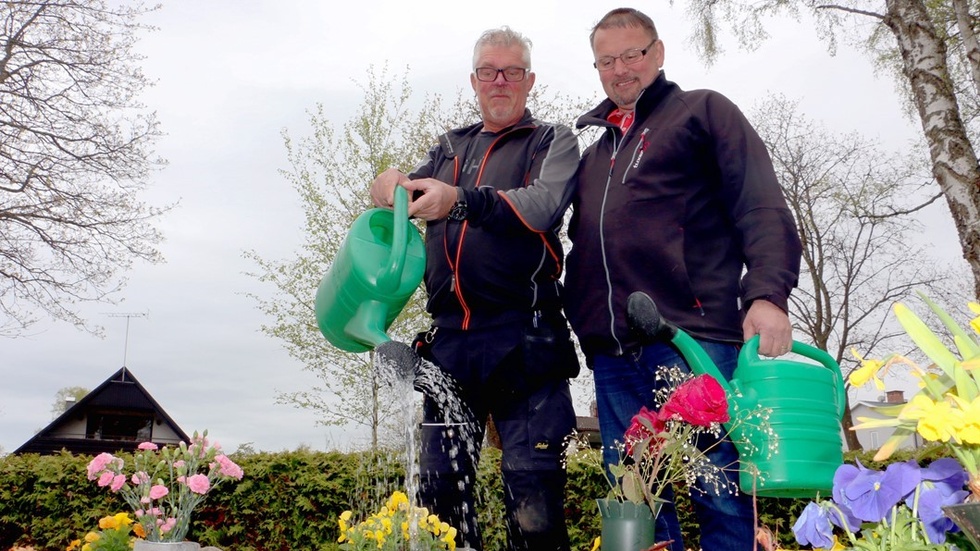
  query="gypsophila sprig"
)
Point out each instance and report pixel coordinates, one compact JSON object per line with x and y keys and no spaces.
{"x":165,"y":485}
{"x":398,"y":526}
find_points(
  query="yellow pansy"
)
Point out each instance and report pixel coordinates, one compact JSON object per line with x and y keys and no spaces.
{"x":837,"y":546}
{"x":450,"y":538}
{"x":91,"y":537}
{"x":75,"y":544}
{"x":867,"y":371}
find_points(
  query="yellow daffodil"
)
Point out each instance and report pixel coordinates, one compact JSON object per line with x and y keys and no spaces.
{"x":936,"y":421}
{"x":968,"y":432}
{"x":975,"y":322}
{"x":867,"y":371}
{"x":75,"y":544}
{"x":596,"y":544}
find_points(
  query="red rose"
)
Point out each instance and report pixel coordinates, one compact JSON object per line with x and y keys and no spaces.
{"x":645,"y":424}
{"x":699,"y":401}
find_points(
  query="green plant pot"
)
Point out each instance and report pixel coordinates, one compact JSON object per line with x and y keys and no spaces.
{"x":626,"y":526}
{"x":967,"y":517}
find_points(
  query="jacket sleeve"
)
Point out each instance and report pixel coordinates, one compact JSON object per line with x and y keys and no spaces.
{"x":539,"y":206}
{"x":770,"y":240}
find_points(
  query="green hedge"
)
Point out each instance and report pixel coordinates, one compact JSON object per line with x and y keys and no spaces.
{"x":291,"y":500}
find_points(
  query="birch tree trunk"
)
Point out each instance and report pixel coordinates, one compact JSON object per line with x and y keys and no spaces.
{"x":954,"y":161}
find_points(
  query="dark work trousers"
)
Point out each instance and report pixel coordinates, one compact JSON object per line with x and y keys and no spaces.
{"x":533,"y":424}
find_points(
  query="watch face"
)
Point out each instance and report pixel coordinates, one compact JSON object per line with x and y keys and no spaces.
{"x":458,"y":212}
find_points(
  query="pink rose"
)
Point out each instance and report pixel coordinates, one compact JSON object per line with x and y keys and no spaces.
{"x":199,"y":484}
{"x":98,"y":464}
{"x":147,"y":446}
{"x":118,"y":482}
{"x":699,"y":401}
{"x":158,"y":491}
{"x":228,"y":467}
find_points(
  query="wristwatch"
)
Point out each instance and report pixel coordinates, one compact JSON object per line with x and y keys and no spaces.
{"x":459,"y":210}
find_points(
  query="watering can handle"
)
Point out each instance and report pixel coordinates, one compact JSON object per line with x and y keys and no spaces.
{"x":390,"y":277}
{"x":751,"y":351}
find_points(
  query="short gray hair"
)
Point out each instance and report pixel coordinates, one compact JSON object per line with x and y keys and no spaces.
{"x":506,"y":37}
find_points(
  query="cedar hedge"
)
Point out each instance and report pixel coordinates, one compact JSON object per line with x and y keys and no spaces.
{"x":291,"y":500}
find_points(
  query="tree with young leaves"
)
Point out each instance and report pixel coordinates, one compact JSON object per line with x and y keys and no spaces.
{"x":65,"y":398}
{"x":855,"y":207}
{"x":933,"y":49}
{"x":332,"y":172}
{"x":75,"y":154}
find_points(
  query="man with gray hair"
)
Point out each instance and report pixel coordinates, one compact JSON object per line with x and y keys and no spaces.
{"x":493,"y":195}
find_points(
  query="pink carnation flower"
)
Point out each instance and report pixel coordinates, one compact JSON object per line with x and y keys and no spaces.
{"x":147,"y":446}
{"x":118,"y":482}
{"x":98,"y":464}
{"x":168,"y":525}
{"x":199,"y":484}
{"x":158,"y":491}
{"x":105,"y":478}
{"x":229,"y":468}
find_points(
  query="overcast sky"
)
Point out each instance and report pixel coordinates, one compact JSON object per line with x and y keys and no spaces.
{"x":231,"y":75}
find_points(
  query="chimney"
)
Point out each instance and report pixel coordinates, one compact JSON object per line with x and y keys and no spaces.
{"x":895,"y":396}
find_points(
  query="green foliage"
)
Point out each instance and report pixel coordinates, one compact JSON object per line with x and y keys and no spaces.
{"x":292,"y":500}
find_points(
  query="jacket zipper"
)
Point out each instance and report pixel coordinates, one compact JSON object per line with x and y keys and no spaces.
{"x":617,"y":142}
{"x":454,"y":260}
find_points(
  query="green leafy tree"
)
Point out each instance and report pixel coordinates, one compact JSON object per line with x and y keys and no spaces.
{"x":331,"y":173}
{"x":75,"y":154}
{"x":932,"y":48}
{"x":855,"y":209}
{"x":65,"y":398}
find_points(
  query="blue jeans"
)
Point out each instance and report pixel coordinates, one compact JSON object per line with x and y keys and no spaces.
{"x":625,"y":383}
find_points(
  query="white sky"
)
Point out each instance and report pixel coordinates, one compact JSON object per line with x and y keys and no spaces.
{"x":232,"y":74}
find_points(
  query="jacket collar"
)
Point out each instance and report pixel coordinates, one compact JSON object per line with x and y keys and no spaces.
{"x":649,"y":98}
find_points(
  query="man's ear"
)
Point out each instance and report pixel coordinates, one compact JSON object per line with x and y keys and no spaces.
{"x":658,"y":53}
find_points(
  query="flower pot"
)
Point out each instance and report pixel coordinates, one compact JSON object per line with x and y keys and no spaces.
{"x":967,"y":517}
{"x":143,"y":545}
{"x":626,"y":526}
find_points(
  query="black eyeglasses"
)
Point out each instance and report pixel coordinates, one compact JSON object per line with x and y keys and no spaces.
{"x":629,"y":57}
{"x":511,"y":74}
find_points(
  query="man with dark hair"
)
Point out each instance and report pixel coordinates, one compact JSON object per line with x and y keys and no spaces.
{"x":678,"y":199}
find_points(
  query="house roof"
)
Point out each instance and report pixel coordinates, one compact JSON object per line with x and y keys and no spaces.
{"x":121,"y":393}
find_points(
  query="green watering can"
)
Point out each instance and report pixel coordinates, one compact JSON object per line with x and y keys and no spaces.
{"x":806,"y":402}
{"x":377,"y":269}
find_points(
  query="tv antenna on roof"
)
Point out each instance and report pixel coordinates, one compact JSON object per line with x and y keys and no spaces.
{"x":128,"y":316}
